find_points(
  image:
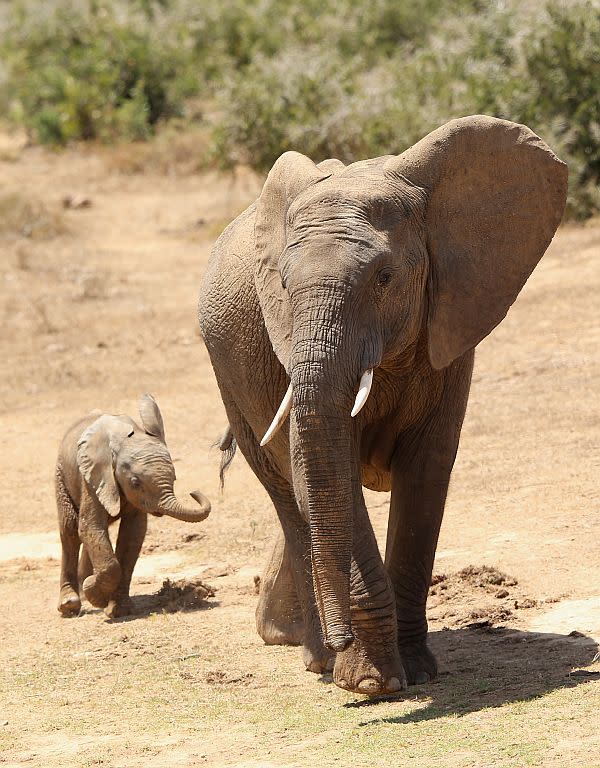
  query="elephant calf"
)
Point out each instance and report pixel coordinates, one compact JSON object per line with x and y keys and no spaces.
{"x":108,"y":469}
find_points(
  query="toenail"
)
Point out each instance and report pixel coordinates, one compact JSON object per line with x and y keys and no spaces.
{"x":393,"y":684}
{"x":369,"y":685}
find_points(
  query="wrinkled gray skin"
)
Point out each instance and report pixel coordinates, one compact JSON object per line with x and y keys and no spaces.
{"x":108,"y":469}
{"x":401,"y":264}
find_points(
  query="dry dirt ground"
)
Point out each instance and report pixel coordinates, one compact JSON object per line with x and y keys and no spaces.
{"x":97,"y":305}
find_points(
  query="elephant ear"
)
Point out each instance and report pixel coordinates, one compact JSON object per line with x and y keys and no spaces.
{"x":96,"y":451}
{"x":291,"y":175}
{"x":496,"y":194}
{"x":151,"y":417}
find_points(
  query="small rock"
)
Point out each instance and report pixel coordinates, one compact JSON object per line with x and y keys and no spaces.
{"x":192,"y":537}
{"x":526,"y":603}
{"x":502,"y":593}
{"x":76,"y":202}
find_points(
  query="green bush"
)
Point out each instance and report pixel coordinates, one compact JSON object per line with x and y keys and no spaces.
{"x":82,"y":73}
{"x":341,"y":78}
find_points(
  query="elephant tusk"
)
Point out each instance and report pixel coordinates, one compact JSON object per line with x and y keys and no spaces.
{"x":280,"y":416}
{"x":363,"y":391}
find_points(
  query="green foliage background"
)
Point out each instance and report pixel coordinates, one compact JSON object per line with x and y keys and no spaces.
{"x":341,"y":78}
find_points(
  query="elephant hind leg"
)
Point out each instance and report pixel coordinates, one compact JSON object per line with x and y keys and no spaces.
{"x":69,"y":603}
{"x":279,"y":619}
{"x":288,"y":577}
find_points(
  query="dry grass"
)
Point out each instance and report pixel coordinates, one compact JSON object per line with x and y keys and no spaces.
{"x":25,"y":216}
{"x":174,"y":151}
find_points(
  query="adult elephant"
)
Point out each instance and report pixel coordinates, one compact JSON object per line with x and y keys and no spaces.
{"x":379,"y":277}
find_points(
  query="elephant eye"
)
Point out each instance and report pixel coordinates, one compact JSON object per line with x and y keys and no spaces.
{"x":383,"y":277}
{"x":135,"y":481}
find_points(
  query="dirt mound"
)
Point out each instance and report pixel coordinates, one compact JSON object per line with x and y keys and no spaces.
{"x":475,"y":596}
{"x":182,"y":595}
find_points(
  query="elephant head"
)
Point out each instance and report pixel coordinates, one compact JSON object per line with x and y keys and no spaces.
{"x":117,"y":458}
{"x":358,"y":264}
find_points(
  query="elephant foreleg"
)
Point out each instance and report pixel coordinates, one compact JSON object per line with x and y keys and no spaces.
{"x":132,"y":531}
{"x":371,"y":664}
{"x":69,"y":603}
{"x":93,"y":532}
{"x":421,"y":471}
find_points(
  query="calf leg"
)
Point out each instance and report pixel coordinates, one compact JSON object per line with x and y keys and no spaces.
{"x":69,"y":603}
{"x":132,"y":530}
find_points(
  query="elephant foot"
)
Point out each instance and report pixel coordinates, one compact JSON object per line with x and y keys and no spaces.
{"x":69,"y":603}
{"x":94,"y":592}
{"x":99,"y":587}
{"x":318,"y":660}
{"x":419,"y":663}
{"x":274,"y":632}
{"x":118,"y":608}
{"x":362,"y":670}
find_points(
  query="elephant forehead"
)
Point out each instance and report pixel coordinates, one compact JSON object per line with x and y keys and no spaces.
{"x":354,"y":196}
{"x":314,"y":252}
{"x":145,"y":450}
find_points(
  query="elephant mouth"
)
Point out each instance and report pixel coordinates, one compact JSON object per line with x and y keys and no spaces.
{"x":364,"y":389}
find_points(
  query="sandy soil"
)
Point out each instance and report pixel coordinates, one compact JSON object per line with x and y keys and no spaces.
{"x":97,"y":305}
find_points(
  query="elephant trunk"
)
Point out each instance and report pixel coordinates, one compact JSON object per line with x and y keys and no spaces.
{"x":172,"y":507}
{"x":323,"y":457}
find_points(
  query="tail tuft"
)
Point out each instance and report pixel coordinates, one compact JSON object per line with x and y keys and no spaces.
{"x":228,"y":446}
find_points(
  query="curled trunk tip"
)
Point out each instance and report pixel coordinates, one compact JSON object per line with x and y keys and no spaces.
{"x":189,"y":514}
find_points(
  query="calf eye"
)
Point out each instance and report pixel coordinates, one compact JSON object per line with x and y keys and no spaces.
{"x":384,"y":276}
{"x":135,"y":481}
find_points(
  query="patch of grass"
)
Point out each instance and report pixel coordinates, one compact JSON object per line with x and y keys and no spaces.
{"x":234,"y":697}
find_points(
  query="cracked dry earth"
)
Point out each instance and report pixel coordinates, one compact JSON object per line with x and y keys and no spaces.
{"x":97,"y":304}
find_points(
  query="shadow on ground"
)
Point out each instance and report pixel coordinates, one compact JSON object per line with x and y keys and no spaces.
{"x":491,"y":667}
{"x":172,"y":597}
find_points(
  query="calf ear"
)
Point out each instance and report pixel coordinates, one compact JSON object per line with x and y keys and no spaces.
{"x":496,"y":194}
{"x":97,"y":449}
{"x":151,"y":417}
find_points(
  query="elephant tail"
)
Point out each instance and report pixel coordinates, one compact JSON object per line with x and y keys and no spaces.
{"x":227,"y":445}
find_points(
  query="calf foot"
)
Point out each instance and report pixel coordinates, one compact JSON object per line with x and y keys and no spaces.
{"x":69,"y":603}
{"x":99,"y":587}
{"x":94,"y":592}
{"x":119,"y":607}
{"x":372,"y":671}
{"x":419,"y":662}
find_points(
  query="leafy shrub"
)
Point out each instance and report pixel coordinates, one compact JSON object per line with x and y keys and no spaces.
{"x":341,"y":78}
{"x":293,"y":100}
{"x":84,"y":74}
{"x":562,"y":62}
